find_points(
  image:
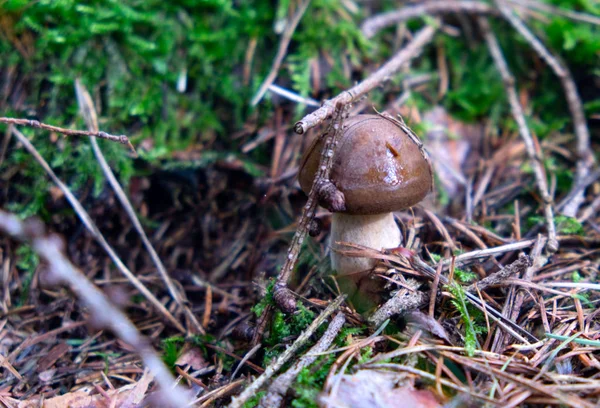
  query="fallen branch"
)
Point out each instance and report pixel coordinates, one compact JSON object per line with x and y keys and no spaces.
{"x":251,"y":390}
{"x":412,"y":49}
{"x":517,"y":111}
{"x":373,"y":25}
{"x":69,"y":132}
{"x":104,"y":313}
{"x":279,"y":387}
{"x":557,"y":11}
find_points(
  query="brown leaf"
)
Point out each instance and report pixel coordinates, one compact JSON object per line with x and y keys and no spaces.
{"x":193,"y":357}
{"x":378,"y":389}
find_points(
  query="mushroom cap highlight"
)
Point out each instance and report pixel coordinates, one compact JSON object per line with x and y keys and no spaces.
{"x":377,"y":166}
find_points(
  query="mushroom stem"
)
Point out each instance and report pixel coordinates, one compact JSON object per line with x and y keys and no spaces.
{"x":377,"y":231}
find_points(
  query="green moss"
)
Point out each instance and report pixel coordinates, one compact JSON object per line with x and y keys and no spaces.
{"x":28,"y":261}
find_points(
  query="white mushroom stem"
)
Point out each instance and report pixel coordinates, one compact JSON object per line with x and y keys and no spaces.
{"x":374,"y":231}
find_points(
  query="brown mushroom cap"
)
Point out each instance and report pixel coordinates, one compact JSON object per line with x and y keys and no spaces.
{"x":377,"y":166}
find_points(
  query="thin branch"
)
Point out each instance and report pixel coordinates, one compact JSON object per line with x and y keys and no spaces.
{"x":373,"y":25}
{"x":86,"y":107}
{"x":286,"y":37}
{"x":582,"y":134}
{"x":557,"y":11}
{"x":69,"y":132}
{"x":405,"y":55}
{"x":104,"y":313}
{"x":253,"y":388}
{"x":282,"y":294}
{"x":93,"y":229}
{"x":469,"y":257}
{"x":279,"y":387}
{"x":517,"y":111}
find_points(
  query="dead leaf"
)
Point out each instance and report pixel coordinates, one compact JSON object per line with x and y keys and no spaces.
{"x":378,"y":389}
{"x":193,"y":357}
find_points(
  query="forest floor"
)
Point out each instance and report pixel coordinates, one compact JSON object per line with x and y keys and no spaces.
{"x":191,"y":264}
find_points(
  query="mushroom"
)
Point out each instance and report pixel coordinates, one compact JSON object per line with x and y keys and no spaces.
{"x":379,"y":169}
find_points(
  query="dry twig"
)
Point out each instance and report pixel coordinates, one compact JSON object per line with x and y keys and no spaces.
{"x":373,"y":25}
{"x":279,"y":387}
{"x":281,"y":293}
{"x":86,"y":107}
{"x":69,"y":132}
{"x":517,"y":110}
{"x":585,"y":158}
{"x":412,"y":49}
{"x":239,"y":401}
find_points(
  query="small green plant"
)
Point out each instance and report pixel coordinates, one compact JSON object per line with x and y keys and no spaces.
{"x":28,"y":261}
{"x":254,"y":400}
{"x":472,"y":327}
{"x":171,"y":348}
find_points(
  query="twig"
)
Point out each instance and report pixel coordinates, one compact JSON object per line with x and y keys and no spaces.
{"x":279,"y":387}
{"x":373,"y":25}
{"x":584,"y":153}
{"x":86,"y":107}
{"x":251,"y":390}
{"x":406,"y":54}
{"x":69,"y":132}
{"x":467,"y":257}
{"x":573,"y":15}
{"x":286,"y":37}
{"x":49,"y":248}
{"x":282,"y":295}
{"x":404,"y":300}
{"x":518,"y":267}
{"x":93,"y":229}
{"x":517,"y":110}
{"x":578,"y":188}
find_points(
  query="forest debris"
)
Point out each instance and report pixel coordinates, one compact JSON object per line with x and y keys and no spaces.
{"x":378,"y":389}
{"x":405,"y":55}
{"x":191,"y":356}
{"x":239,"y":401}
{"x":518,"y":267}
{"x":404,"y":300}
{"x":534,"y":155}
{"x":279,"y":387}
{"x":50,"y":249}
{"x":128,"y":396}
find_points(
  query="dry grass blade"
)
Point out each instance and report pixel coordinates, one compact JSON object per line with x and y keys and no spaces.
{"x":88,"y":111}
{"x":104,"y":313}
{"x":286,"y":37}
{"x":95,"y":232}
